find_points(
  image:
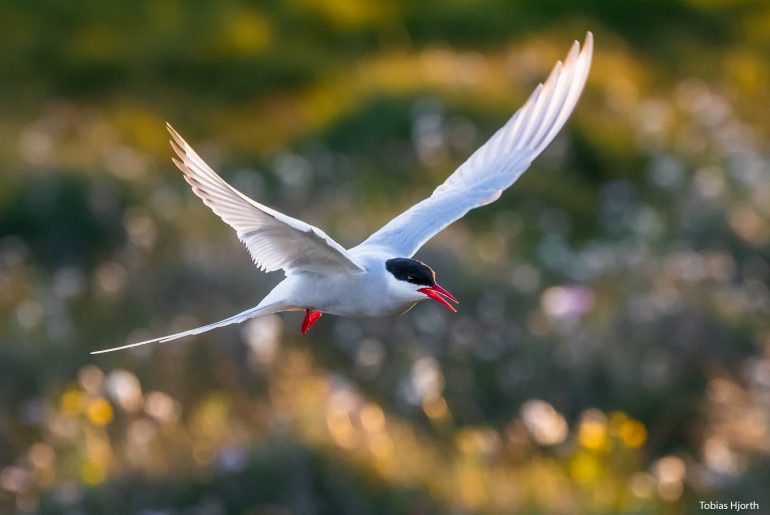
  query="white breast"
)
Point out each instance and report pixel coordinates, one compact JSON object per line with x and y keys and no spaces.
{"x":372,"y":293}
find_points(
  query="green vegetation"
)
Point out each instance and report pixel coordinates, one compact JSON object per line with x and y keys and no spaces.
{"x":612,"y":351}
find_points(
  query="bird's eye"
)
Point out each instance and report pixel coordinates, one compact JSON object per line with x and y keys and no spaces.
{"x":410,"y":278}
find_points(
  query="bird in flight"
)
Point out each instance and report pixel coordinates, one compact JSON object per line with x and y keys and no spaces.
{"x":379,"y":277}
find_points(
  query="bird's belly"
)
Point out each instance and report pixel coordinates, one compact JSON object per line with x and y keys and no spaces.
{"x":367,"y":309}
{"x":356,"y":298}
{"x":356,"y":304}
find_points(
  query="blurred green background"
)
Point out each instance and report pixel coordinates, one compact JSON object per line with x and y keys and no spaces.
{"x":612,"y":350}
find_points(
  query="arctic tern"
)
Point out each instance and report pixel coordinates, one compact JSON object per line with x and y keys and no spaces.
{"x":379,"y":278}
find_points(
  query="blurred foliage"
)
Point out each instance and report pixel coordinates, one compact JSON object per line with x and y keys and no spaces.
{"x":612,"y":353}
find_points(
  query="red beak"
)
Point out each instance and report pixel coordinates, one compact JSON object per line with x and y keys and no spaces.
{"x":435,"y":293}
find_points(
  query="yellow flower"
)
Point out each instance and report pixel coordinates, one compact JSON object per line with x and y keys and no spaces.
{"x":633,"y":433}
{"x":99,"y":412}
{"x":72,"y":402}
{"x":592,"y":434}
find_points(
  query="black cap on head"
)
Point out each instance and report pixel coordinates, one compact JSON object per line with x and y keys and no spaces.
{"x":411,"y":271}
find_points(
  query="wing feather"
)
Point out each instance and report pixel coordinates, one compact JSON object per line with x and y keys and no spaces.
{"x":274,"y":240}
{"x":496,"y":165}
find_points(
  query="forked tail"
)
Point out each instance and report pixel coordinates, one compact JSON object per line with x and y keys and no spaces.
{"x":235,"y":319}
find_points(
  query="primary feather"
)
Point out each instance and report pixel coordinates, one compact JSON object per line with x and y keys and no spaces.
{"x":496,"y":165}
{"x":274,"y":240}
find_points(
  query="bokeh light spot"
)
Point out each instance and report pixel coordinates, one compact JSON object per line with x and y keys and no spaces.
{"x":99,"y":412}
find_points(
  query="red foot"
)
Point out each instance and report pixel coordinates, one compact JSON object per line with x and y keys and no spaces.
{"x":310,"y":318}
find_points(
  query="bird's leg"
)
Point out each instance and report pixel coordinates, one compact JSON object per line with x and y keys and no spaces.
{"x":310,"y":318}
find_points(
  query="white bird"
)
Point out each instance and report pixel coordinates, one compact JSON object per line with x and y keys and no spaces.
{"x":379,"y":278}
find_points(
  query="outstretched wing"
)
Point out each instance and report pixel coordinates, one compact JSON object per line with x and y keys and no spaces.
{"x":274,"y":240}
{"x":494,"y":166}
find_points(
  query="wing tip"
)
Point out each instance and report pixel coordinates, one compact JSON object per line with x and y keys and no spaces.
{"x":588,"y":43}
{"x":177,"y":141}
{"x":178,"y":150}
{"x":574,"y":49}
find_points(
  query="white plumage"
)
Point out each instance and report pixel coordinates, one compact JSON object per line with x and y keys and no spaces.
{"x":377,"y":278}
{"x":497,"y":163}
{"x":274,"y":240}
